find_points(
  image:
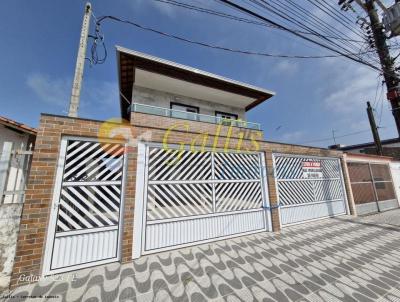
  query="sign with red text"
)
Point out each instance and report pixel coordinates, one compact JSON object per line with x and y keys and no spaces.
{"x":312,"y":169}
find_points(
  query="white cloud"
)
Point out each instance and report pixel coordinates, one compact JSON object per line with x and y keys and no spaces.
{"x":350,"y":87}
{"x":292,"y":137}
{"x":287,"y":67}
{"x":166,"y":9}
{"x":101,"y":93}
{"x":57,"y":91}
{"x":49,"y":90}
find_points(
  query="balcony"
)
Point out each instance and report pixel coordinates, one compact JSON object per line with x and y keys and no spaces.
{"x":142,"y":108}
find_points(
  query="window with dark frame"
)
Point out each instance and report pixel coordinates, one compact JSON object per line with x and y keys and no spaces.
{"x":226,"y":118}
{"x":184,"y":111}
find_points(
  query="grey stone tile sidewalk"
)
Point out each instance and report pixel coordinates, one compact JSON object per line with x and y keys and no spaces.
{"x":337,"y":259}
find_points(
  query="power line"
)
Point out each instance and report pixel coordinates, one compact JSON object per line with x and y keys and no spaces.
{"x":247,"y":11}
{"x":240,"y":19}
{"x":340,"y":136}
{"x":339,"y":13}
{"x":319,"y":20}
{"x":213,"y":46}
{"x":267,"y":6}
{"x":313,"y":23}
{"x":331,"y":15}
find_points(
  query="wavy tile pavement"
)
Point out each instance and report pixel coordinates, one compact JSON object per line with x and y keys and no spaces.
{"x":337,"y":259}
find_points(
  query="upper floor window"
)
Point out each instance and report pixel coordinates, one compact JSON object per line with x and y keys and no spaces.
{"x":226,"y":118}
{"x":184,"y":111}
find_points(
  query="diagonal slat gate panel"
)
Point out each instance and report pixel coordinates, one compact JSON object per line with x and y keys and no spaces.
{"x":87,"y":208}
{"x":179,"y":165}
{"x":308,"y":187}
{"x":197,"y":196}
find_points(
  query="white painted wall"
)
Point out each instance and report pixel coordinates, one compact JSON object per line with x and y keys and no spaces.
{"x":8,"y":135}
{"x":15,"y":174}
{"x":395,"y":169}
{"x":157,"y":98}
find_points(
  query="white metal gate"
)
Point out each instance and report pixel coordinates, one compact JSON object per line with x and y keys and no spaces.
{"x":86,"y":217}
{"x":308,"y":187}
{"x":190,"y":197}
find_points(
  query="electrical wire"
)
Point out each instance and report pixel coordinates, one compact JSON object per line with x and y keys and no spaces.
{"x":340,"y":136}
{"x":240,"y":19}
{"x":327,"y":12}
{"x":318,"y":22}
{"x":246,"y":52}
{"x":338,"y":13}
{"x":249,"y":12}
{"x":315,"y":24}
{"x":269,"y":7}
{"x":98,"y":38}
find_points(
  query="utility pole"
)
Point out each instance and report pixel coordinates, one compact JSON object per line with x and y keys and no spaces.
{"x":80,"y":63}
{"x":374,"y":129}
{"x":387,"y":62}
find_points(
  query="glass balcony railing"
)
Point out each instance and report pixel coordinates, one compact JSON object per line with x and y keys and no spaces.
{"x":142,"y":108}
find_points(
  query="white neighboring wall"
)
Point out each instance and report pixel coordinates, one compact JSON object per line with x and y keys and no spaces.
{"x":395,"y":169}
{"x":10,"y":208}
{"x":15,"y":174}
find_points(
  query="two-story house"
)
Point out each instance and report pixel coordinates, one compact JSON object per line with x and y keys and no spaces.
{"x":184,"y":168}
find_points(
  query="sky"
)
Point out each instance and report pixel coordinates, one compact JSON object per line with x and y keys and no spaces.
{"x":314,"y":97}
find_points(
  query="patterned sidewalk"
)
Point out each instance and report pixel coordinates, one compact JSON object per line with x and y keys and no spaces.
{"x":338,"y":259}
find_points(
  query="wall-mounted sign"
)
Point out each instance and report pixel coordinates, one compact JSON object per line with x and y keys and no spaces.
{"x":312,"y":169}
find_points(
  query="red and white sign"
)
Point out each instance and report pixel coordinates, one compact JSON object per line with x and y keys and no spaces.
{"x":311,"y":165}
{"x":312,"y":169}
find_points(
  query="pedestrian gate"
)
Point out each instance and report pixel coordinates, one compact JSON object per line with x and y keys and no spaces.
{"x":308,"y":187}
{"x":190,"y":197}
{"x":85,"y":218}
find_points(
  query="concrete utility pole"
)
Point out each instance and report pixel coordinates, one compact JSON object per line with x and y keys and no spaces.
{"x":387,"y":62}
{"x":374,"y":129}
{"x":80,"y":63}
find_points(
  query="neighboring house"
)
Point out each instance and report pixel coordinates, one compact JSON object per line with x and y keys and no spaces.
{"x":186,"y":168}
{"x":15,"y":140}
{"x":16,"y":144}
{"x":390,"y":147}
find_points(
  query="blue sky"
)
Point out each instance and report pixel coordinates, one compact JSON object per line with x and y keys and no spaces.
{"x":313,"y":97}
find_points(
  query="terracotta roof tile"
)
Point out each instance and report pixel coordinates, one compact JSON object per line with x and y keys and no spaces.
{"x":18,"y":126}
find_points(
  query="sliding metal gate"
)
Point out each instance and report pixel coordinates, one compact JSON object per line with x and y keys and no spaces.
{"x":190,"y":197}
{"x":85,"y":216}
{"x":372,"y":187}
{"x":308,"y":187}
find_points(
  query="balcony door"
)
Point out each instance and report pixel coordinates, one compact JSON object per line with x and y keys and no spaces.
{"x":225,"y":118}
{"x":182,"y":111}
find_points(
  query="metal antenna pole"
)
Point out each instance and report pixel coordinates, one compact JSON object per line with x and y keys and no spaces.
{"x":80,"y":64}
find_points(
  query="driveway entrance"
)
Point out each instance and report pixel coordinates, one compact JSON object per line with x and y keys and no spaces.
{"x":336,"y":259}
